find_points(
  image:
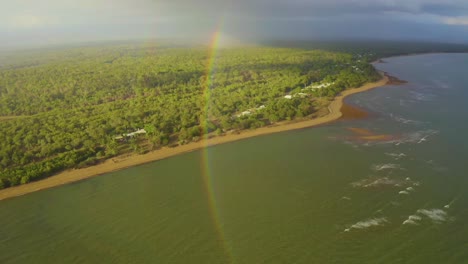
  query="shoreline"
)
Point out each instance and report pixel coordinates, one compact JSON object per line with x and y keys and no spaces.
{"x":74,"y":175}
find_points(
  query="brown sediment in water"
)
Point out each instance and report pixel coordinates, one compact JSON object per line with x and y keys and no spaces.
{"x":360,"y":131}
{"x":350,"y":112}
{"x":362,"y":134}
{"x":382,"y":137}
{"x":392,"y":80}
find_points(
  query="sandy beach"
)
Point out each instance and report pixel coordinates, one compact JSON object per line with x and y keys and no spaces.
{"x":123,"y":162}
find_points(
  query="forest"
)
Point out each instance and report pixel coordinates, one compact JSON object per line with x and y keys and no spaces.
{"x":75,"y":107}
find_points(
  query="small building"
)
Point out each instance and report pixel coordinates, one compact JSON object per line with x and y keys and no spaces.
{"x":132,"y":134}
{"x":320,"y":86}
{"x":288,"y":96}
{"x":245,"y":113}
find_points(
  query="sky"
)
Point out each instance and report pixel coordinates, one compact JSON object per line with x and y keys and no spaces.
{"x":46,"y":22}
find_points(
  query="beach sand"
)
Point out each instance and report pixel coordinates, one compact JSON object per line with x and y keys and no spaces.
{"x":123,"y":162}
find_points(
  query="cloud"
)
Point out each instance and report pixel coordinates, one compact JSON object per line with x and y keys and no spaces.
{"x":401,"y":19}
{"x":459,"y":21}
{"x":28,"y":21}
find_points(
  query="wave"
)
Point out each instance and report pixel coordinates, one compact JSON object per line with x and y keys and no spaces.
{"x":387,"y":166}
{"x":417,"y":137}
{"x":441,"y":84}
{"x":396,"y":156}
{"x":425,"y":97}
{"x":373,"y":222}
{"x":412,"y":220}
{"x":405,"y":121}
{"x":372,"y":182}
{"x":384,"y":181}
{"x":436,"y":215}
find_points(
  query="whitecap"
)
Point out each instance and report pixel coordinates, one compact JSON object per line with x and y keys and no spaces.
{"x":359,"y":183}
{"x":414,"y":137}
{"x":388,"y":166}
{"x":381,"y":181}
{"x":406,"y":121}
{"x":436,"y":215}
{"x":415,"y":218}
{"x":409,"y":222}
{"x":410,"y":189}
{"x":396,"y":156}
{"x":403,"y":192}
{"x":412,"y":220}
{"x":376,"y":182}
{"x":369,"y":223}
{"x":422,"y":96}
{"x":441,"y":84}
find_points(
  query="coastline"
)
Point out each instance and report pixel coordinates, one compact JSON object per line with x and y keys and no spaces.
{"x":124,"y":162}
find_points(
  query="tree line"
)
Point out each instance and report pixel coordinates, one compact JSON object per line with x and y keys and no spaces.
{"x":73,"y":103}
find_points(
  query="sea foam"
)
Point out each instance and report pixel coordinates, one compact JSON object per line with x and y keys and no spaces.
{"x":368,"y":223}
{"x":436,"y":215}
{"x":396,"y":156}
{"x":412,"y":220}
{"x":388,"y":166}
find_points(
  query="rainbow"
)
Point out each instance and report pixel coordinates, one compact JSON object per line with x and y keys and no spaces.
{"x":205,"y":168}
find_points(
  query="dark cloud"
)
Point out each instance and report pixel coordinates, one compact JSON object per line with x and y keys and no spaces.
{"x":27,"y":21}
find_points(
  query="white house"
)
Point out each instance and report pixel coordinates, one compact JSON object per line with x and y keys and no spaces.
{"x":245,"y":113}
{"x":288,"y":96}
{"x":320,"y":86}
{"x":132,"y":134}
{"x":251,"y":110}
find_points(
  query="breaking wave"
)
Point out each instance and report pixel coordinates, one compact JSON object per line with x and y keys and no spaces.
{"x":436,"y":215}
{"x":388,"y":166}
{"x":383,"y":182}
{"x":373,"y":182}
{"x":412,"y":220}
{"x":425,"y":97}
{"x":406,"y":121}
{"x":441,"y":84}
{"x":373,"y":222}
{"x":396,"y":156}
{"x":415,"y":137}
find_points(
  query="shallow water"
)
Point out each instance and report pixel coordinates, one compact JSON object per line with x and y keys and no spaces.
{"x":318,"y":195}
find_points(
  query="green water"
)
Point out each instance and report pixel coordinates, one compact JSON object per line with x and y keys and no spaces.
{"x":293,"y":197}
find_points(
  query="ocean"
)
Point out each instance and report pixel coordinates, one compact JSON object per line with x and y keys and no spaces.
{"x":390,"y":188}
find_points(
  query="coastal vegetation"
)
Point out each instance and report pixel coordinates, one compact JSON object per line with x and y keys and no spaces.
{"x":72,"y":108}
